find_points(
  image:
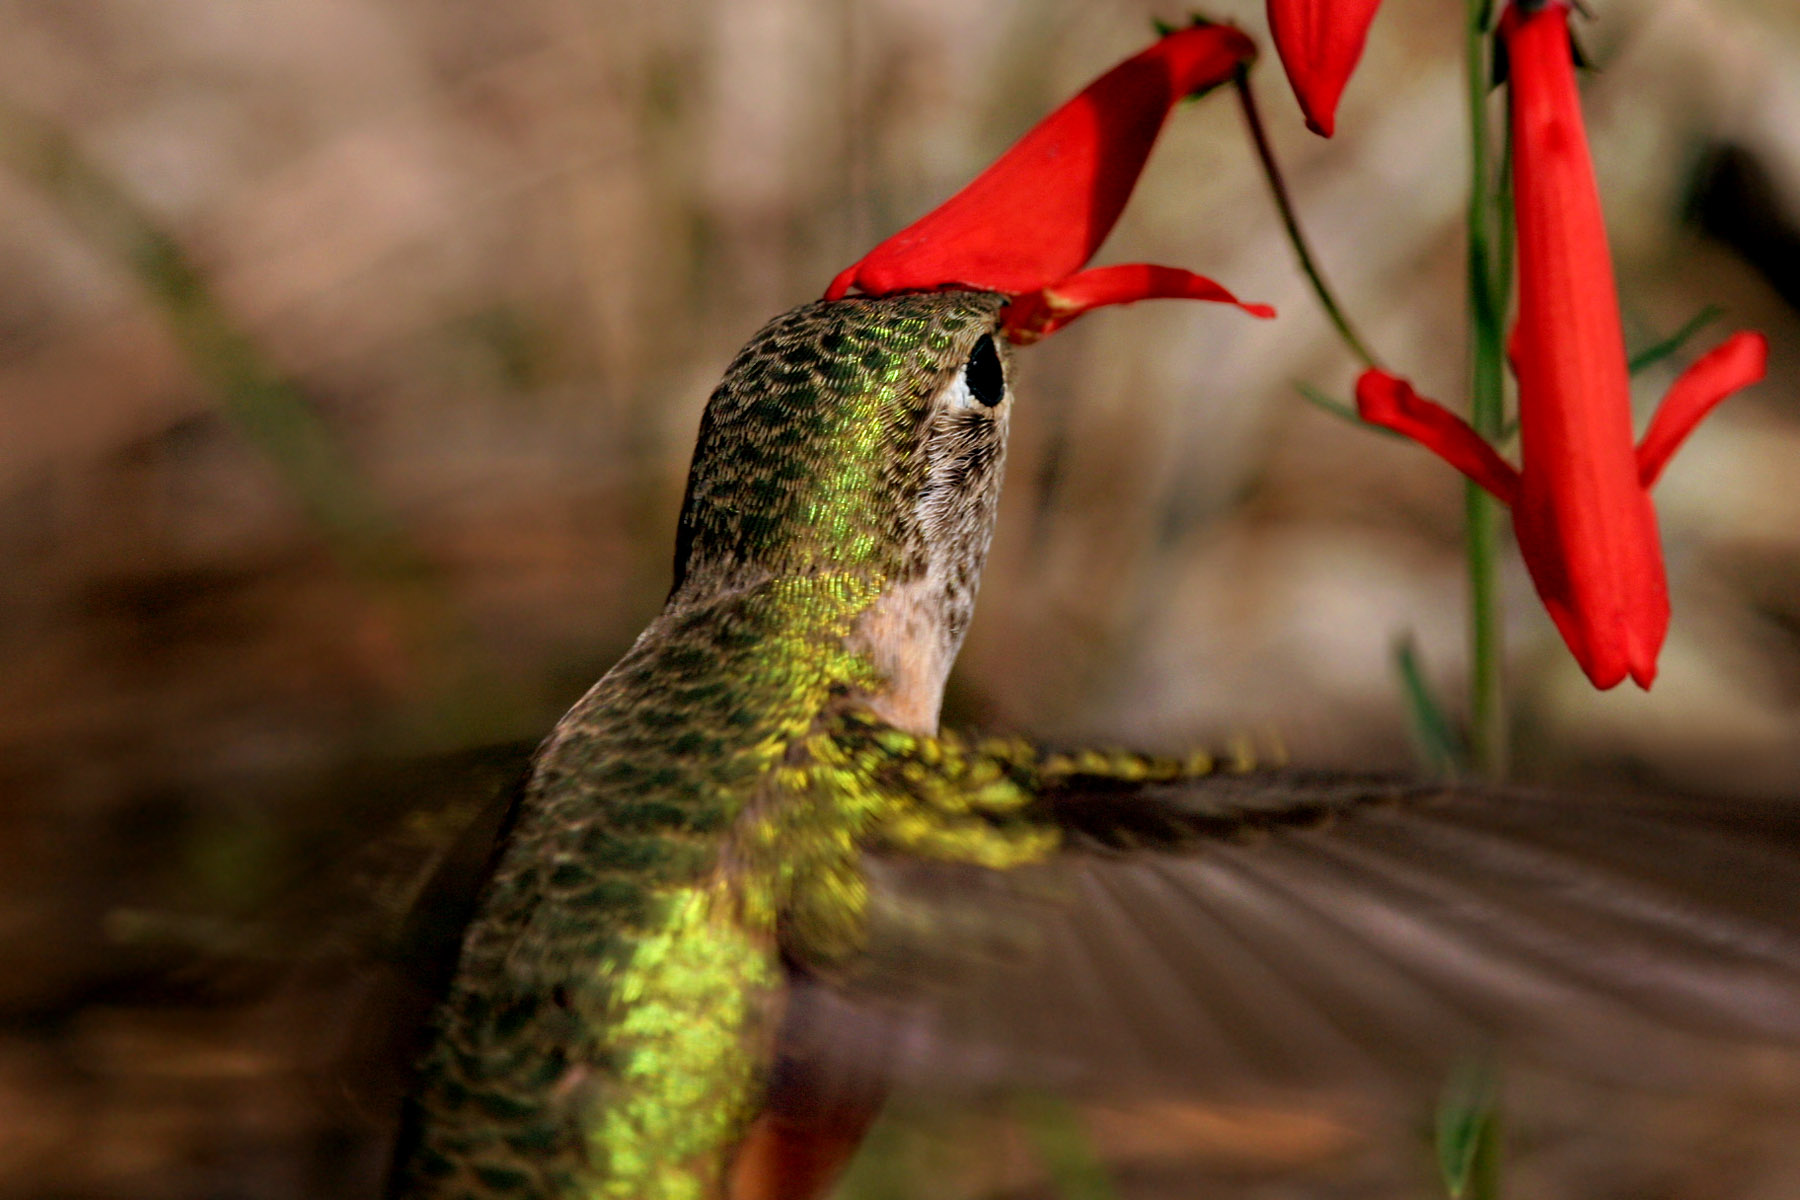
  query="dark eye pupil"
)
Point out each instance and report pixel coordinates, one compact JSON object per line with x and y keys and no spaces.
{"x":987,"y":382}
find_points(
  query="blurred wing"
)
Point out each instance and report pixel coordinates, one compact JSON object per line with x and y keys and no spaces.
{"x":366,"y":948}
{"x":1222,"y":937}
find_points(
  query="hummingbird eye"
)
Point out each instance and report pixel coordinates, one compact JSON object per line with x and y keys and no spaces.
{"x":983,"y":374}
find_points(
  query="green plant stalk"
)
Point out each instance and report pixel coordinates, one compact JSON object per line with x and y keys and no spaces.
{"x":1487,"y":314}
{"x":1290,"y":221}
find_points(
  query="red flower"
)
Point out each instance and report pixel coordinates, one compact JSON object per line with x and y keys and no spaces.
{"x":1026,"y":225}
{"x":1580,"y":497}
{"x":1320,"y":42}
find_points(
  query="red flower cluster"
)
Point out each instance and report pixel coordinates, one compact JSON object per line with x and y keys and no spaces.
{"x":1027,"y":225}
{"x":1581,"y":494}
{"x":1581,"y":497}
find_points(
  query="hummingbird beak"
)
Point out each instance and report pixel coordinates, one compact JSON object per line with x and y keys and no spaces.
{"x":1026,"y":225}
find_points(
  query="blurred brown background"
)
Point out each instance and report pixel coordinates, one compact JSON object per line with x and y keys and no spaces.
{"x":351,"y":353}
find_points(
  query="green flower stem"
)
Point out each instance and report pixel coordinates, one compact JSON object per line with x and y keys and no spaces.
{"x":1487,"y":284}
{"x":1291,"y":222}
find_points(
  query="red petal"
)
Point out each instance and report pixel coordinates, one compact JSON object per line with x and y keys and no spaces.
{"x":1568,"y":348}
{"x":1608,"y":597}
{"x":1736,"y":363}
{"x":1043,"y":312}
{"x":1390,"y":402}
{"x":1583,"y":520}
{"x":1320,"y":42}
{"x":1041,"y":210}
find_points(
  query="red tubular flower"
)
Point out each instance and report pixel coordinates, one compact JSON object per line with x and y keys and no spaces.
{"x":1320,"y":42}
{"x":1026,"y":225}
{"x":1580,"y":497}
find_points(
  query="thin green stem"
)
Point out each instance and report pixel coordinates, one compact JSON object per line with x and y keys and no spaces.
{"x":1487,"y":312}
{"x":1651,"y":355}
{"x":1501,"y":278}
{"x":1290,"y":220}
{"x":1487,"y":707}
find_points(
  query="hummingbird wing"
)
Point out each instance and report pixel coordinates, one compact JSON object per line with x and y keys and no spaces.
{"x":1234,"y":935}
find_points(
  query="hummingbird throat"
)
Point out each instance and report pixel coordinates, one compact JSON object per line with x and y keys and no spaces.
{"x":910,"y":641}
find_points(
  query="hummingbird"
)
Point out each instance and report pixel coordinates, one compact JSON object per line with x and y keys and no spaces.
{"x":750,"y":887}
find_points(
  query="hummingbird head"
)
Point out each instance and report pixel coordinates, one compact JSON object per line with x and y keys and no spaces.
{"x":863,"y":436}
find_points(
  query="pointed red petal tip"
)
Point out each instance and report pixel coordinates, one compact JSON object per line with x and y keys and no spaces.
{"x":1319,"y":42}
{"x":1036,"y":316}
{"x":1035,"y":217}
{"x":1610,"y":603}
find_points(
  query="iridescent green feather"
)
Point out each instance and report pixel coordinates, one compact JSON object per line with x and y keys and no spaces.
{"x":608,"y":1023}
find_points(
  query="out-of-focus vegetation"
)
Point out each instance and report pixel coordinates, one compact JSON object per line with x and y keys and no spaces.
{"x":350,"y":357}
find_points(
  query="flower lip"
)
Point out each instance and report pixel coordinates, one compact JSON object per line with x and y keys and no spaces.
{"x":1039,"y":314}
{"x":1027,"y":224}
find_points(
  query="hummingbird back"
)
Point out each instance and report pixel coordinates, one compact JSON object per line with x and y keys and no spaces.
{"x":609,"y":1022}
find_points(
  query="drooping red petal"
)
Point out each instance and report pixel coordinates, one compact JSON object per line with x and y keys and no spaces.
{"x":1584,"y":521}
{"x":1320,"y":42}
{"x":1040,"y":314}
{"x":1568,"y":348}
{"x":1390,"y":402}
{"x":1040,"y":211}
{"x":1736,"y":363}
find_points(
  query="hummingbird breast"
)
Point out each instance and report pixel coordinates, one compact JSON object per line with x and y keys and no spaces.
{"x":609,"y":1018}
